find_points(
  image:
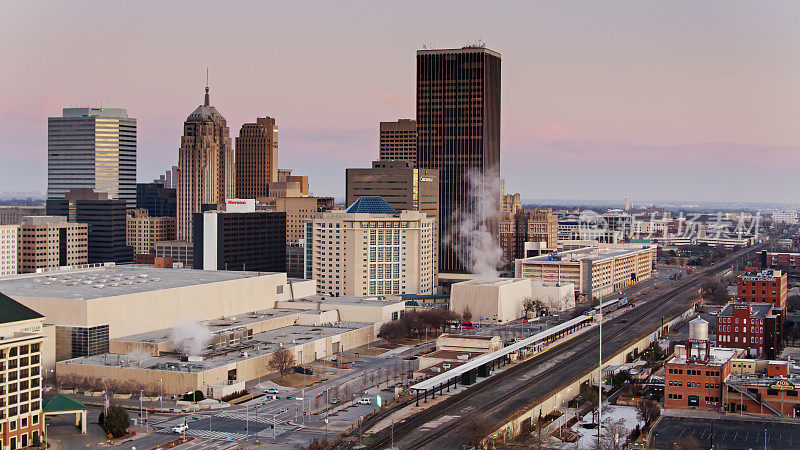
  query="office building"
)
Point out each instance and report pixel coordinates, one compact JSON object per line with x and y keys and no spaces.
{"x":48,"y":242}
{"x":169,"y":179}
{"x":458,"y":126}
{"x":596,"y":271}
{"x":92,"y":148}
{"x":298,"y":210}
{"x":22,"y":342}
{"x":541,"y":225}
{"x":752,"y":327}
{"x":398,"y":141}
{"x":371,"y":249}
{"x":527,"y":233}
{"x":158,"y":200}
{"x":285,"y":176}
{"x":106,"y":219}
{"x":9,"y":240}
{"x":12,"y":215}
{"x":240,"y":239}
{"x":180,"y":252}
{"x":397,"y":182}
{"x":256,"y":158}
{"x":206,"y":173}
{"x":144,"y":231}
{"x":786,"y":217}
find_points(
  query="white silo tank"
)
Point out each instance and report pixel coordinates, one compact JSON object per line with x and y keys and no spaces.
{"x":698,"y":329}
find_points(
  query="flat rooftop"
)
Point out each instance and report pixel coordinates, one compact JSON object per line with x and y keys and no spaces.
{"x":349,"y":300}
{"x":595,"y":254}
{"x":261,"y":344}
{"x":217,"y":325}
{"x":757,"y":310}
{"x":717,"y":356}
{"x":110,"y":281}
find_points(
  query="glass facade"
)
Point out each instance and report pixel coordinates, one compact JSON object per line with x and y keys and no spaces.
{"x":93,"y":148}
{"x":89,"y":341}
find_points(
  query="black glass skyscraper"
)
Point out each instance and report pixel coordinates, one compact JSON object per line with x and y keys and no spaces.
{"x":458,"y":133}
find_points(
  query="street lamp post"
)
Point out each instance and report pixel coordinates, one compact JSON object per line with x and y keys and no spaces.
{"x":600,"y":376}
{"x":161,"y":395}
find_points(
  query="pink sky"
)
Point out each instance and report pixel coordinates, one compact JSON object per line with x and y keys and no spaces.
{"x":658,"y":100}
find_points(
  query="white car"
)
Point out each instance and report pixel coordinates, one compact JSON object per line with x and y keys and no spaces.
{"x":365,"y":401}
{"x":180,"y":428}
{"x":271,"y":391}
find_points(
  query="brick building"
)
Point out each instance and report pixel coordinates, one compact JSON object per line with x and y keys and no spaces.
{"x":751,"y":327}
{"x":784,"y":261}
{"x":762,"y":387}
{"x":694,"y":376}
{"x":762,"y":286}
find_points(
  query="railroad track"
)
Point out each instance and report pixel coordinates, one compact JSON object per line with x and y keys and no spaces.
{"x":402,"y":427}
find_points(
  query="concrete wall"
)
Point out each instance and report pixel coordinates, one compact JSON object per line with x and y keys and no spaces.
{"x":499,"y":301}
{"x":247,"y":369}
{"x":514,"y":426}
{"x":154,"y":310}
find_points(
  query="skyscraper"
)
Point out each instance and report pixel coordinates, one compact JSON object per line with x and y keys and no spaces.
{"x":458,"y":133}
{"x":92,"y":148}
{"x":398,"y":141}
{"x":256,"y":158}
{"x":205,"y":165}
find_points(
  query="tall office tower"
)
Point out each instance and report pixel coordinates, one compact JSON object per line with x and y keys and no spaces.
{"x":398,"y":141}
{"x":106,"y":219}
{"x":169,"y":179}
{"x":256,"y":158}
{"x":92,"y":148}
{"x":205,"y":165}
{"x":458,"y":133}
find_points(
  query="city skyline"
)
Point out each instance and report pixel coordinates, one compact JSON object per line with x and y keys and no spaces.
{"x":596,"y":88}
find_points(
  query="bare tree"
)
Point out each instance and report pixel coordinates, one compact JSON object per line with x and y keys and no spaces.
{"x":614,"y":435}
{"x":647,"y":411}
{"x":477,"y":428}
{"x":281,"y":361}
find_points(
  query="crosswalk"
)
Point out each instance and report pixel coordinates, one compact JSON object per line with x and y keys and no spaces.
{"x":260,"y":418}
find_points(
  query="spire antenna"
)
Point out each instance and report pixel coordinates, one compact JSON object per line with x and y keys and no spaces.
{"x":207,"y":103}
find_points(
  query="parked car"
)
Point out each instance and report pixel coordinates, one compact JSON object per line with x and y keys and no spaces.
{"x":271,"y":391}
{"x":365,"y":401}
{"x":334,"y":401}
{"x":180,"y":428}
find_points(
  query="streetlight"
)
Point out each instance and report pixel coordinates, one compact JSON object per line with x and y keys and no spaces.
{"x":161,"y":395}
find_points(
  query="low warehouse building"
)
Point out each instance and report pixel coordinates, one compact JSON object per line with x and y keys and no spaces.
{"x":501,"y":300}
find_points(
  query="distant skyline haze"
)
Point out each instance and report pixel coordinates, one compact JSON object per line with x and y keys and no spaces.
{"x":660,"y":100}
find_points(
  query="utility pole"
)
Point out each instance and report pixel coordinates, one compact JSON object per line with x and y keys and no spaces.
{"x":600,"y":376}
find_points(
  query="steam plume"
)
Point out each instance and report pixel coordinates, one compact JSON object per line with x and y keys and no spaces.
{"x":190,"y":337}
{"x":472,"y":235}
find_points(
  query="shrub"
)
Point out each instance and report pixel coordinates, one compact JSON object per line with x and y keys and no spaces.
{"x":115,"y":421}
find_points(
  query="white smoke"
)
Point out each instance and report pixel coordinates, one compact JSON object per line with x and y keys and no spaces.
{"x":472,"y":235}
{"x":190,"y":338}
